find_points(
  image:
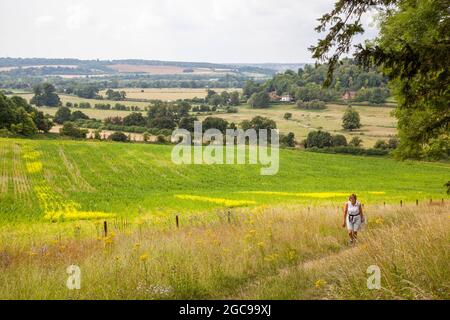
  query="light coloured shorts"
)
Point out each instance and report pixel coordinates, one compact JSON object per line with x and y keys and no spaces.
{"x":355,"y":225}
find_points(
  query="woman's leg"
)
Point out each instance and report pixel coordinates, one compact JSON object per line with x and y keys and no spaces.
{"x":350,"y":235}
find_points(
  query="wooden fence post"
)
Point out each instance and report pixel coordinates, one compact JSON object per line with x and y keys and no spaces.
{"x":177,"y":221}
{"x":417,"y":202}
{"x":229,"y":216}
{"x":431,"y":200}
{"x":401,"y":203}
{"x":105,"y":228}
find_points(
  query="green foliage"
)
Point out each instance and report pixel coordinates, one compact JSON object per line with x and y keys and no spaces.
{"x":134,"y":119}
{"x":287,"y":140}
{"x":45,"y":95}
{"x":62,"y":115}
{"x":355,"y":142}
{"x":160,"y":138}
{"x":338,"y":140}
{"x":389,"y":145}
{"x":381,"y":144}
{"x":118,"y":137}
{"x":413,"y":50}
{"x":115,"y":95}
{"x":287,"y":116}
{"x":43,"y":123}
{"x":84,"y":105}
{"x":70,"y":130}
{"x":350,"y":119}
{"x":259,"y":100}
{"x":350,"y":150}
{"x":312,"y":91}
{"x":318,"y":139}
{"x":311,"y":105}
{"x":187,"y":123}
{"x":215,"y":123}
{"x":372,"y":95}
{"x":78,"y":115}
{"x":235,"y":98}
{"x":18,"y":117}
{"x":259,"y":123}
{"x":25,"y":124}
{"x":84,"y":90}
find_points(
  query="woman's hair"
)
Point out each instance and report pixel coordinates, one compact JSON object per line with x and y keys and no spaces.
{"x":352,"y":196}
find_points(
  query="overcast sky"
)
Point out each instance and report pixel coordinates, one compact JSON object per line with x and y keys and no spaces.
{"x":183,"y":30}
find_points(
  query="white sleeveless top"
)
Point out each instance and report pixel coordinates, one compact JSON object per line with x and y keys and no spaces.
{"x":353,"y":210}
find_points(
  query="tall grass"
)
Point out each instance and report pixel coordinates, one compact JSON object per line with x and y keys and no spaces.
{"x":269,"y":252}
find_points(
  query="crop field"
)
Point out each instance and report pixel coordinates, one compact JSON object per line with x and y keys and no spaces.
{"x":377,"y":122}
{"x":168,"y":94}
{"x":143,"y":68}
{"x":53,"y":179}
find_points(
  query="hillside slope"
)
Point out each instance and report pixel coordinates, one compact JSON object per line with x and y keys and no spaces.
{"x":41,"y":179}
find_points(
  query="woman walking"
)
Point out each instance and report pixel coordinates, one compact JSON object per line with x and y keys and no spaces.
{"x":353,"y":218}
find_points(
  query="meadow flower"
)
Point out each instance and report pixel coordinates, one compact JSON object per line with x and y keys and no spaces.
{"x":271,"y":257}
{"x":108,"y":240}
{"x":292,"y":255}
{"x":32,"y":253}
{"x":320,"y":283}
{"x":225,"y":202}
{"x":143,"y":257}
{"x":379,"y":220}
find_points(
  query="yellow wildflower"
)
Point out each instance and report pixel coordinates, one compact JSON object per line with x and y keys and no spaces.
{"x":320,"y":283}
{"x":144,"y":257}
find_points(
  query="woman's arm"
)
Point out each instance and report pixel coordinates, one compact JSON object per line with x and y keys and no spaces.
{"x":345,"y":214}
{"x":361,"y":212}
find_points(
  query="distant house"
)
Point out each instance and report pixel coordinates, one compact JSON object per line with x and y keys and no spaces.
{"x":286,"y":98}
{"x":274,"y":97}
{"x":348,"y":95}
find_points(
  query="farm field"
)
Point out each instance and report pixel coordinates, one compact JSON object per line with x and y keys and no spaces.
{"x":169,"y":94}
{"x":164,"y":69}
{"x":51,"y":179}
{"x":377,"y":121}
{"x":74,"y":99}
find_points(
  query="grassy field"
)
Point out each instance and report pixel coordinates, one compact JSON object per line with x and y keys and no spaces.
{"x":41,"y":180}
{"x":240,"y":235}
{"x":169,"y":94}
{"x":284,"y":252}
{"x":165,"y":69}
{"x":377,"y":121}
